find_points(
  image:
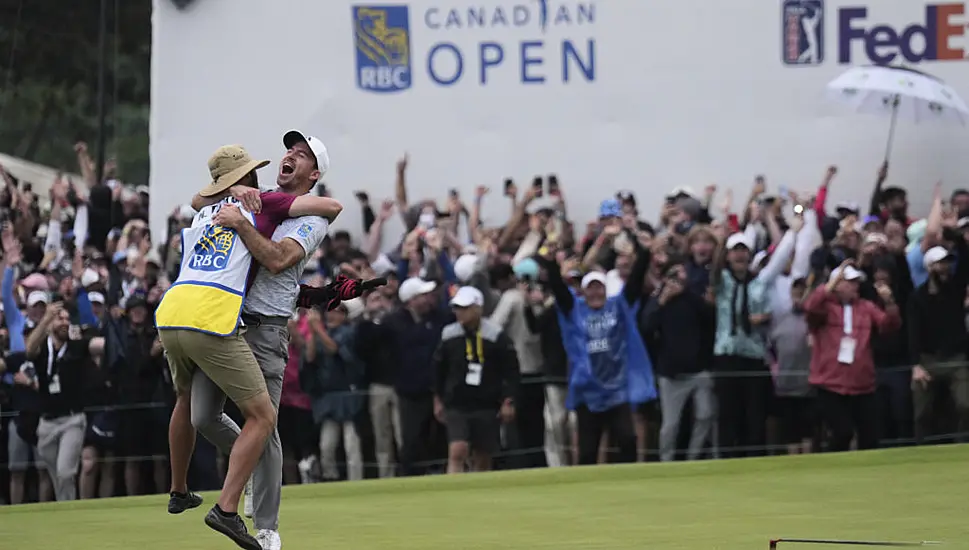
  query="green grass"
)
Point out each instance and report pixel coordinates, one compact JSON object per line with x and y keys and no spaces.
{"x":908,"y":494}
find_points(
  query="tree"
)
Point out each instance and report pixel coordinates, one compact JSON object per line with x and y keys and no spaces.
{"x":48,"y":81}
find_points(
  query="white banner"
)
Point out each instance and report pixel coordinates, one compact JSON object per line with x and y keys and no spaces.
{"x":608,"y":94}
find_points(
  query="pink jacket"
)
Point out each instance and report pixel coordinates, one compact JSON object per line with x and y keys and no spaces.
{"x":826,"y":320}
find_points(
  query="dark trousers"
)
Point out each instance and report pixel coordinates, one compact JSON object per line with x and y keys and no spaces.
{"x":895,"y":406}
{"x":530,"y":422}
{"x":846,"y":416}
{"x":743,"y":405}
{"x":618,"y":421}
{"x":421,"y":434}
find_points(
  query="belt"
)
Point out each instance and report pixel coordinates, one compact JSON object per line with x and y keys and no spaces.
{"x":253,"y":321}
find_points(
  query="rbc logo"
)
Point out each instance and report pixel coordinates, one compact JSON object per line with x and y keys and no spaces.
{"x":381,"y":36}
{"x":802,"y":32}
{"x":211,"y":252}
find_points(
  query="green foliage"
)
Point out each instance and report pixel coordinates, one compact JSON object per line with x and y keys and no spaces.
{"x":48,"y":94}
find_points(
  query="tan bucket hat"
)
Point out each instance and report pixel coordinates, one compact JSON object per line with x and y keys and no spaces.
{"x":228,"y":165}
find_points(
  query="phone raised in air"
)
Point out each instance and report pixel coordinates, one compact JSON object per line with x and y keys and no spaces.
{"x":553,"y":184}
{"x":509,"y":183}
{"x":538,"y":185}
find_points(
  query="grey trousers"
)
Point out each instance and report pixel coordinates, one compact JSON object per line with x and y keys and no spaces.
{"x":673,"y":394}
{"x":270,"y":345}
{"x":59,"y":444}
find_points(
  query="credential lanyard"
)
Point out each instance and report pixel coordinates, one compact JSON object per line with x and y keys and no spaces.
{"x":50,"y":356}
{"x":469,"y":352}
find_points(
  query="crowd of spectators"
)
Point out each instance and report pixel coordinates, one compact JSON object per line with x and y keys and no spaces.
{"x":777,"y":324}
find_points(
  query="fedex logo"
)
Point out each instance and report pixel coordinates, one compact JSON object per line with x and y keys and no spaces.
{"x":939,"y":37}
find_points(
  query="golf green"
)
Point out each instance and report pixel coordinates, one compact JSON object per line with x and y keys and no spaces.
{"x":903,"y":495}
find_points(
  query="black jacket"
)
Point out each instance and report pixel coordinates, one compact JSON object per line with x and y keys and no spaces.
{"x":680,"y":333}
{"x":499,"y":368}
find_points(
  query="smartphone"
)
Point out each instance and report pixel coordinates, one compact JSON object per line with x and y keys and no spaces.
{"x":798,"y":209}
{"x":553,"y":185}
{"x":508,"y":185}
{"x":537,"y":185}
{"x":362,"y":196}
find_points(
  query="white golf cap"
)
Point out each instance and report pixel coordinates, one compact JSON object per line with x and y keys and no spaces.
{"x":37,"y":297}
{"x":850,"y":274}
{"x":467,"y":296}
{"x":89,"y":277}
{"x":95,"y":298}
{"x":594,"y":277}
{"x":414,"y":287}
{"x":464,"y":267}
{"x":739,"y":239}
{"x":293,"y":137}
{"x":935,"y":255}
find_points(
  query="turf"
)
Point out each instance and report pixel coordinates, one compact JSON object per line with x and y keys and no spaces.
{"x":907,"y":494}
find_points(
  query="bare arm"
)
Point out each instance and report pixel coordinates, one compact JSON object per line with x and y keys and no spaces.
{"x":38,"y":336}
{"x":311,"y":205}
{"x":276,"y":257}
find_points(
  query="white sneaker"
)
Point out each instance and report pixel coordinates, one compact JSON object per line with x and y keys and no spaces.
{"x":247,"y":500}
{"x":269,"y":539}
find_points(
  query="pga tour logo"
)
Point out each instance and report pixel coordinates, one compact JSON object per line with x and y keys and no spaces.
{"x":802,"y":32}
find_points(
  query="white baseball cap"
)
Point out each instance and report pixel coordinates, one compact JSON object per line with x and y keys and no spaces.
{"x":739,"y":239}
{"x":593,"y":277}
{"x":37,"y":297}
{"x":464,"y":267}
{"x":876,"y":238}
{"x":293,"y":137}
{"x":95,"y":298}
{"x":414,"y":287}
{"x":467,"y":296}
{"x":935,"y":255}
{"x":850,"y":274}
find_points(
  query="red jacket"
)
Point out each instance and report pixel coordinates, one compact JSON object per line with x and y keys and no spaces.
{"x":826,"y":320}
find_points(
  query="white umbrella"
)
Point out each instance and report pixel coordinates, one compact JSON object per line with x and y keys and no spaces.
{"x":900,"y":92}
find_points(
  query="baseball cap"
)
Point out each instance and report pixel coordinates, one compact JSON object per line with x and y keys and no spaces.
{"x":593,"y":277}
{"x":876,"y":238}
{"x":293,"y":137}
{"x":850,"y":274}
{"x":95,"y":297}
{"x":935,"y":255}
{"x":467,"y":296}
{"x":739,"y":239}
{"x":464,"y":267}
{"x":610,"y":208}
{"x":526,"y":269}
{"x":414,"y":287}
{"x":37,"y":297}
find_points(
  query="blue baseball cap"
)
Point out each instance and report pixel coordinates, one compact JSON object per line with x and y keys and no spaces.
{"x":610,"y":208}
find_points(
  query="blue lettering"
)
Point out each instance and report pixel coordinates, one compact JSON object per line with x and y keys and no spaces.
{"x":521,"y":15}
{"x":459,"y":62}
{"x":476,"y":17}
{"x":428,"y":19}
{"x":492,"y":54}
{"x":528,"y":61}
{"x":562,"y":15}
{"x":453,"y":21}
{"x":499,"y":18}
{"x":587,"y":13}
{"x":588,"y":68}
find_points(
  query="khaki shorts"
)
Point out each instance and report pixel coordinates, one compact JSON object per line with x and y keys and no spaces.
{"x":226,"y":360}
